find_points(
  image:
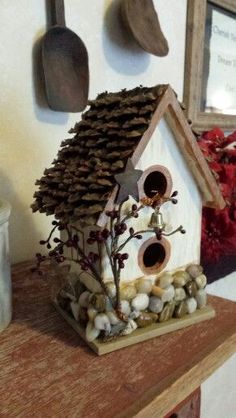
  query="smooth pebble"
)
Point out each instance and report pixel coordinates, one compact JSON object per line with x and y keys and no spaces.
{"x":140,"y":302}
{"x":111,"y":289}
{"x":91,"y":332}
{"x":194,"y":270}
{"x":201,"y":298}
{"x":145,"y":319}
{"x":102,"y":322}
{"x":167,"y":312}
{"x":191,"y":288}
{"x":84,"y":299}
{"x":144,"y":285}
{"x":128,"y":292}
{"x":155,"y":304}
{"x":125,"y":307}
{"x":181,"y":309}
{"x":113,"y":318}
{"x":164,"y":281}
{"x":180,"y":278}
{"x":75,"y":309}
{"x":92,"y":313}
{"x":201,"y":281}
{"x":191,"y":305}
{"x":180,"y":294}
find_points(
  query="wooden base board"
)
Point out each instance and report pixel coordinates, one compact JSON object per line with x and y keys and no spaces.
{"x":140,"y":334}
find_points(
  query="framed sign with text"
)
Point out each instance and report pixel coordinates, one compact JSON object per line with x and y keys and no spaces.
{"x":210,"y":64}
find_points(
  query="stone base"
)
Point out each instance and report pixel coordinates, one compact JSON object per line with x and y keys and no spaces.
{"x":140,"y":334}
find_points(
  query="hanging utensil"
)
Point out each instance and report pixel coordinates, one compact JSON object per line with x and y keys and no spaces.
{"x":65,"y":65}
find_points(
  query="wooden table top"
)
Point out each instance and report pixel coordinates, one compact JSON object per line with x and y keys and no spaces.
{"x":46,"y":370}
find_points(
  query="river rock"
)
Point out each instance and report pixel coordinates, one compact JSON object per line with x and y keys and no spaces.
{"x":125,"y":307}
{"x":165,"y":280}
{"x":201,"y":281}
{"x":134,"y":314}
{"x":102,"y":323}
{"x":180,"y":278}
{"x":194,"y":270}
{"x":155,"y":304}
{"x":144,"y":285}
{"x":167,"y":312}
{"x":164,"y":294}
{"x":91,"y":332}
{"x":180,"y":294}
{"x":84,"y":299}
{"x":191,"y":288}
{"x":113,"y":317}
{"x":91,"y":313}
{"x":191,"y":305}
{"x":98,"y":302}
{"x":111,"y":289}
{"x":145,"y":319}
{"x":130,"y":327}
{"x":140,"y":302}
{"x":181,"y":310}
{"x":75,"y":309}
{"x":128,"y":292}
{"x":201,"y":298}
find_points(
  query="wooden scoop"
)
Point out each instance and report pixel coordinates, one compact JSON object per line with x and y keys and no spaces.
{"x":141,"y":17}
{"x":65,"y":65}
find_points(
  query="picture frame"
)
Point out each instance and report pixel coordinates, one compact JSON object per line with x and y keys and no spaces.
{"x":200,"y":74}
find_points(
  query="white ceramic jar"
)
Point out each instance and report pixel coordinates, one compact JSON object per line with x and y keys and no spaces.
{"x":5,"y":275}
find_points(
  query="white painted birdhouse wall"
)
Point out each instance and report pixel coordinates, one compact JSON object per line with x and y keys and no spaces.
{"x":163,"y":150}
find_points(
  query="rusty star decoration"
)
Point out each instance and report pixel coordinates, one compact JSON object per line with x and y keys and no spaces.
{"x":128,"y":182}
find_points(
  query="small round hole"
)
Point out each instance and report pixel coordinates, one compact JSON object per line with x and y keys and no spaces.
{"x":154,"y":183}
{"x":154,"y":255}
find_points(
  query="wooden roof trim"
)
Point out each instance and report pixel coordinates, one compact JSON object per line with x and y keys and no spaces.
{"x":169,"y":108}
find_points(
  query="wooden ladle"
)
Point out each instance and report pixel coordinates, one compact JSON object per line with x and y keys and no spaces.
{"x":65,"y":65}
{"x":141,"y":18}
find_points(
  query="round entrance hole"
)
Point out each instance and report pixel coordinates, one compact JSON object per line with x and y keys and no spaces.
{"x":154,"y":255}
{"x":154,"y":183}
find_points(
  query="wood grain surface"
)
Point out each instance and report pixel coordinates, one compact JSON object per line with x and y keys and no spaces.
{"x":46,"y":370}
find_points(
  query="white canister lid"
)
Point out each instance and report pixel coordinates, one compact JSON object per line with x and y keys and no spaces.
{"x":5,"y":210}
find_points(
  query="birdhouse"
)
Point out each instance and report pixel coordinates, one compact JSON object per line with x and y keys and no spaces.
{"x":127,"y":192}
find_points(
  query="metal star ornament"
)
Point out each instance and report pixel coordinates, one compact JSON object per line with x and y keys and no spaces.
{"x":128,"y":182}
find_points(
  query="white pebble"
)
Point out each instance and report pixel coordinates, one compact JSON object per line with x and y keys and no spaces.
{"x":91,"y":332}
{"x":84,"y":299}
{"x":144,"y":285}
{"x":191,"y":305}
{"x":201,"y":281}
{"x":75,"y":310}
{"x":180,"y":294}
{"x":201,"y":298}
{"x":169,"y":294}
{"x":125,"y":307}
{"x":140,"y":302}
{"x":155,"y":304}
{"x":130,"y":327}
{"x":101,"y":322}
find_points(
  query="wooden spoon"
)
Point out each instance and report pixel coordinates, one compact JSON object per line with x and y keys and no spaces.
{"x":65,"y":65}
{"x":142,"y":19}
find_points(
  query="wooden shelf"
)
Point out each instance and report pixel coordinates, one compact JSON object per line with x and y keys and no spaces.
{"x":47,"y":370}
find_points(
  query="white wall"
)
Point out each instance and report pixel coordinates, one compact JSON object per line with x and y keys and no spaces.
{"x":30,"y":133}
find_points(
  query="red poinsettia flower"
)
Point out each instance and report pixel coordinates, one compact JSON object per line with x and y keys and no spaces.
{"x":218,"y":235}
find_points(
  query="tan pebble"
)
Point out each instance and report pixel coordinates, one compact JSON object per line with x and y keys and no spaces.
{"x":201,"y":298}
{"x":98,"y":302}
{"x":180,"y":278}
{"x":111,"y":289}
{"x":167,"y":312}
{"x":164,"y":281}
{"x":191,"y":288}
{"x":144,"y":285}
{"x":194,"y":270}
{"x":157,"y":291}
{"x":181,"y":310}
{"x":144,"y":320}
{"x":91,"y":313}
{"x":180,"y":294}
{"x":91,"y":332}
{"x":201,"y":281}
{"x":128,"y":292}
